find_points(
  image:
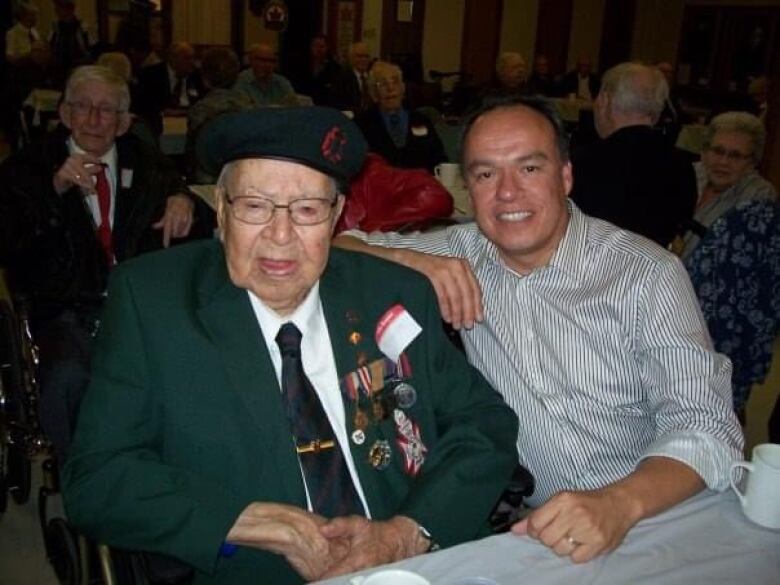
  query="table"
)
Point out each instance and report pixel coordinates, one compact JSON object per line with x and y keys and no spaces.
{"x":706,"y":539}
{"x":174,"y":135}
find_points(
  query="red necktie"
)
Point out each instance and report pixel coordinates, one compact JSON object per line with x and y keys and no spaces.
{"x":104,"y":203}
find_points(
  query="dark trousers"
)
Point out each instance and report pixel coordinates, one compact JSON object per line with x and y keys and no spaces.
{"x":65,"y":344}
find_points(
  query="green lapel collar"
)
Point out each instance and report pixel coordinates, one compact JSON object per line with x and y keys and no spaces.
{"x":227,"y":316}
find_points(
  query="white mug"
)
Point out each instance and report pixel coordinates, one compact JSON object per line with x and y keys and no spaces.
{"x":391,"y":577}
{"x":761,"y":498}
{"x":448,"y":174}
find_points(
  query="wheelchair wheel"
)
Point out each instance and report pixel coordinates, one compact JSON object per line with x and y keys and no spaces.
{"x":62,"y":546}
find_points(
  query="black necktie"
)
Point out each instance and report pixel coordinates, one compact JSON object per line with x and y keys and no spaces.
{"x":330,"y":486}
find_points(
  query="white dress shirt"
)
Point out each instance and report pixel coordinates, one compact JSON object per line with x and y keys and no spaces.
{"x":318,"y":363}
{"x":602,"y":353}
{"x":110,"y":160}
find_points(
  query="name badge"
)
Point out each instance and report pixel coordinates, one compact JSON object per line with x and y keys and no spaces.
{"x":419,"y":131}
{"x":126,"y":178}
{"x":395,"y":330}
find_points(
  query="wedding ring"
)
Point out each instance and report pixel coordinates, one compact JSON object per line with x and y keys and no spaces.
{"x":573,"y":542}
{"x":78,"y":177}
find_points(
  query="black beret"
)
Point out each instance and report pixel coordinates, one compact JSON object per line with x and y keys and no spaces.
{"x":321,"y":138}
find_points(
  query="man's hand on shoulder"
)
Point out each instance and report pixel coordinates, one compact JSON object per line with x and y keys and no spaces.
{"x":291,"y":532}
{"x":177,"y":219}
{"x":457,"y":289}
{"x":373,"y":543}
{"x":581,"y":525}
{"x":78,"y":170}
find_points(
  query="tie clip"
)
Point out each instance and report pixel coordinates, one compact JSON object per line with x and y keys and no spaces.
{"x":315,"y":446}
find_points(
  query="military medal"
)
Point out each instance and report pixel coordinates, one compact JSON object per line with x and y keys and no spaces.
{"x":379,"y":454}
{"x":358,"y":437}
{"x":361,"y":419}
{"x":378,"y":409}
{"x":409,"y":442}
{"x":405,"y":395}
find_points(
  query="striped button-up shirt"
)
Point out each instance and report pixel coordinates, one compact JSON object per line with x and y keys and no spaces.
{"x":602,"y":353}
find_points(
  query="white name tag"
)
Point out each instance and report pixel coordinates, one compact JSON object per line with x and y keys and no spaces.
{"x":126,"y":178}
{"x":419,"y":131}
{"x":395,"y":331}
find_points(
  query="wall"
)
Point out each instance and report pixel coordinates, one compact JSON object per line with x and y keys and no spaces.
{"x":585,"y":38}
{"x":518,"y":29}
{"x":442,"y":33}
{"x":197,"y":22}
{"x":372,"y":25}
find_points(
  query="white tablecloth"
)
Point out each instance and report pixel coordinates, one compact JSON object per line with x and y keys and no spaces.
{"x":704,"y":540}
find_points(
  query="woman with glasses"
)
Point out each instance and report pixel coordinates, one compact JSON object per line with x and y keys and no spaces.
{"x":733,"y":249}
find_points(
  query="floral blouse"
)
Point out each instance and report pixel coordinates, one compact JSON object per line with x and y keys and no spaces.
{"x":735,"y":270}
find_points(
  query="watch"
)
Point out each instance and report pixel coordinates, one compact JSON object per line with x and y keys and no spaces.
{"x":432,"y":544}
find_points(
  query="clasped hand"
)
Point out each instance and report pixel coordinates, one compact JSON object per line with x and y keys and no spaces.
{"x":318,"y":548}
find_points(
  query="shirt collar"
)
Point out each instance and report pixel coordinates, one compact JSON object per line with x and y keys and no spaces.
{"x":305,"y":317}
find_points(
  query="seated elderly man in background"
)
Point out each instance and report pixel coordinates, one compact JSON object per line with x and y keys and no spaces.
{"x":264,"y":392}
{"x":511,"y":77}
{"x":260,"y":82}
{"x":404,"y":138}
{"x":541,"y":81}
{"x":173,"y":84}
{"x":592,"y":334}
{"x":70,"y":208}
{"x":220,"y":68}
{"x":633,"y":177}
{"x":733,"y":249}
{"x":350,"y":87}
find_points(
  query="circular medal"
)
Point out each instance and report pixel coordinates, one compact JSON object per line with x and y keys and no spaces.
{"x":361,"y":420}
{"x":379,"y":455}
{"x":358,"y":437}
{"x":405,"y":395}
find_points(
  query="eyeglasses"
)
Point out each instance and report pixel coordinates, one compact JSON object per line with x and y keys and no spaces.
{"x":732,"y":155}
{"x":259,"y":210}
{"x":389,"y":82}
{"x":85,"y":109}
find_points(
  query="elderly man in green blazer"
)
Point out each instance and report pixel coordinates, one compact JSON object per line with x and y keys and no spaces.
{"x":208,"y":435}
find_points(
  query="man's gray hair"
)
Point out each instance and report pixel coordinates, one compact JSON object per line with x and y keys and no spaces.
{"x":743,"y":122}
{"x":634,"y":88}
{"x":87,"y":73}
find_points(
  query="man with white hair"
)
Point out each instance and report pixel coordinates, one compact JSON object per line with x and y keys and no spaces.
{"x":71,"y":207}
{"x":20,"y":38}
{"x":633,"y":177}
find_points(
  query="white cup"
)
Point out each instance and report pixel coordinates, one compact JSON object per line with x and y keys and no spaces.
{"x":448,"y":174}
{"x":391,"y":577}
{"x":761,"y":498}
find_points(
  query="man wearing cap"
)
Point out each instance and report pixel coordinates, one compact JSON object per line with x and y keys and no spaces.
{"x":265,"y":410}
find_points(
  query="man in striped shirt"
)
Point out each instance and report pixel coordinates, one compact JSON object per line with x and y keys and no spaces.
{"x":591,"y":333}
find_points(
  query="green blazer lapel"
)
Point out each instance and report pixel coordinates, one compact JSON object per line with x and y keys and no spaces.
{"x":227,"y":316}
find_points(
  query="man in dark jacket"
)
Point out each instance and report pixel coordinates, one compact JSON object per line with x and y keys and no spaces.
{"x":633,"y":177}
{"x":71,"y":207}
{"x":402,"y":137}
